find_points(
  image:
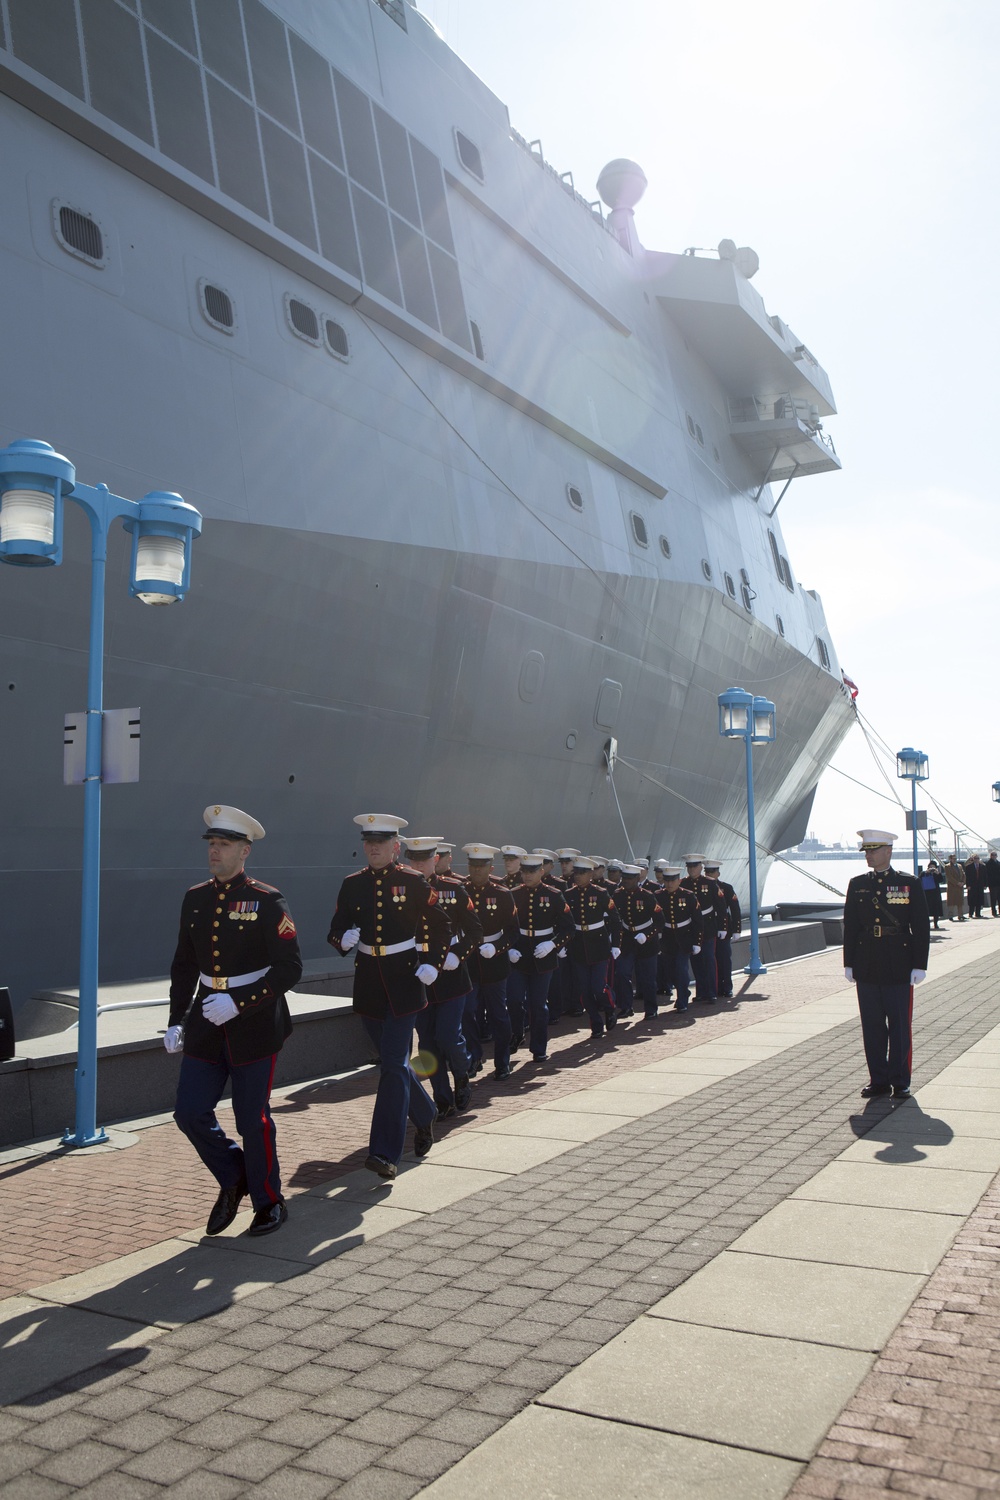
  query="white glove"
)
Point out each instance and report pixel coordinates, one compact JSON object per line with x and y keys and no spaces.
{"x":542,"y":950}
{"x":173,"y":1039}
{"x":561,"y":953}
{"x":513,"y":955}
{"x":616,"y":953}
{"x":350,"y":937}
{"x":917,"y":976}
{"x":220,"y":1009}
{"x":696,"y":948}
{"x":451,"y":962}
{"x":487,"y":950}
{"x":640,"y":938}
{"x":427,"y":973}
{"x":849,"y":974}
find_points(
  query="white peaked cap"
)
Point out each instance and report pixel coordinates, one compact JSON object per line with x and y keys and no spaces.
{"x":660,"y":864}
{"x":694,"y":859}
{"x":873,"y":838}
{"x":222,"y":821}
{"x":480,"y":851}
{"x":380,"y":823}
{"x":548,"y":854}
{"x":531,"y":861}
{"x":514,"y":850}
{"x":567,"y":853}
{"x":583,"y":863}
{"x":425,"y":844}
{"x":671,"y":870}
{"x":444,"y":848}
{"x":631,"y":869}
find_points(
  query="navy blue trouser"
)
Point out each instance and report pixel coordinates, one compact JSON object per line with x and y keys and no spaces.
{"x":592,"y":982}
{"x":494,"y":997}
{"x":635,"y":975}
{"x":886,"y":1027}
{"x":706,"y":982}
{"x":199,"y":1089}
{"x":724,"y":963}
{"x":439,"y":1031}
{"x":676,"y":975}
{"x":529,"y":994}
{"x":400,"y":1093}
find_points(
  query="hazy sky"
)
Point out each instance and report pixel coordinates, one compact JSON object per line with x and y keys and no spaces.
{"x":856,"y":147}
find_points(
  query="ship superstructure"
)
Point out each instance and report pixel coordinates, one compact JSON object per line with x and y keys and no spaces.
{"x":485,"y":483}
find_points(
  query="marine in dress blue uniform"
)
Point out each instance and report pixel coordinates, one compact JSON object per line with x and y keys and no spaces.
{"x":641,"y":919}
{"x":730,"y":925}
{"x":886,"y":945}
{"x":237,"y":954}
{"x":489,"y":966}
{"x":593,"y":944}
{"x":709,"y":898}
{"x":680,"y":935}
{"x":543,"y":925}
{"x":381,"y":910}
{"x":440,"y":1027}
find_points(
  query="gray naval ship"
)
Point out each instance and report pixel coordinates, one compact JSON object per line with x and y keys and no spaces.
{"x":486,"y":484}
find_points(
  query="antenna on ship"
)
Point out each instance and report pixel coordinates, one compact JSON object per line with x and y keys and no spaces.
{"x":621,"y":185}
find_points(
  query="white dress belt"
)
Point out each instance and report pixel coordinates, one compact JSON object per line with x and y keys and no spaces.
{"x":492,"y":937}
{"x":642,"y":926}
{"x":231,"y":981}
{"x":589,"y":926}
{"x":538,"y":931}
{"x":686,"y":923}
{"x":382,"y":950}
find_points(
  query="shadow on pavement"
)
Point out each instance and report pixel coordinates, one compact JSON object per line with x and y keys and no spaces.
{"x":905,"y":1128}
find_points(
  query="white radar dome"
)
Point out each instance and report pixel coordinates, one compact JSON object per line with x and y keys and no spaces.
{"x":621,"y":183}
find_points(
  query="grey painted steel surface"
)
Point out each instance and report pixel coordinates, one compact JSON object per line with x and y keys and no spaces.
{"x":393,"y":601}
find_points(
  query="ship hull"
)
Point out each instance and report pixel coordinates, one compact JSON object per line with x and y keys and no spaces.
{"x":310,"y":677}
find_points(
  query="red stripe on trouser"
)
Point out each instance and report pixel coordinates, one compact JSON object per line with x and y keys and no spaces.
{"x":909,"y":1025}
{"x":267,"y":1127}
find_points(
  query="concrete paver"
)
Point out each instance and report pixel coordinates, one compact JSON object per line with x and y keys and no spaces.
{"x":773,"y":1395}
{"x":563,"y":1455}
{"x":889,"y":1239}
{"x":897,"y":1185}
{"x":850,"y":1306}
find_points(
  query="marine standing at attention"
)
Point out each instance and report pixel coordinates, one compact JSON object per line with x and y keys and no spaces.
{"x":730,"y":926}
{"x":237,"y":954}
{"x":886,"y":943}
{"x":381,"y":909}
{"x":543,"y":925}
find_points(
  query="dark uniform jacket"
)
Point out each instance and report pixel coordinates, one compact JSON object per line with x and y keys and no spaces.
{"x":681,"y":926}
{"x":466,"y":935}
{"x":390,"y":907}
{"x":639,"y":911}
{"x":975,"y":877}
{"x":886,"y":927}
{"x":991,"y":870}
{"x":494,"y":905}
{"x":540,"y":916}
{"x":596,"y":927}
{"x":234,"y":927}
{"x":710,"y":903}
{"x":732,"y":918}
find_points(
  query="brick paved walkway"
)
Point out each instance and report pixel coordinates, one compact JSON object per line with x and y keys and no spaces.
{"x":65,"y":1212}
{"x":370,"y":1374}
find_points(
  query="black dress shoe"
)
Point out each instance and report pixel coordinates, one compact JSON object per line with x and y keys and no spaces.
{"x":227,"y":1206}
{"x":501,"y":1074}
{"x":517,"y":1041}
{"x":596,"y":1034}
{"x":611,"y":1020}
{"x":901,"y":1094}
{"x":445,"y":1111}
{"x":463,"y":1094}
{"x":423,"y":1140}
{"x":875,"y":1090}
{"x":381,"y":1167}
{"x":539,"y":1057}
{"x":267,"y":1220}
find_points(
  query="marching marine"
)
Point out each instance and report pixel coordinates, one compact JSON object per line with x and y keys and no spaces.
{"x":635,"y":970}
{"x":594,"y":942}
{"x":886,"y":944}
{"x":730,"y":926}
{"x":489,"y":967}
{"x":381,"y":910}
{"x":680,"y":935}
{"x":709,"y":898}
{"x":237,"y":955}
{"x":543,"y":924}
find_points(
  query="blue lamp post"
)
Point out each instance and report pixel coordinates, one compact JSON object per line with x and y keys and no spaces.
{"x":742,"y":716}
{"x":996,"y":791}
{"x":911,"y":766}
{"x":35,"y":481}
